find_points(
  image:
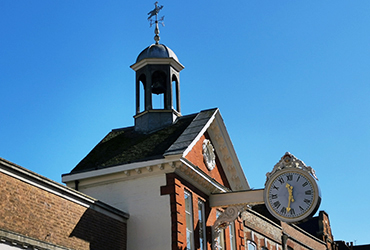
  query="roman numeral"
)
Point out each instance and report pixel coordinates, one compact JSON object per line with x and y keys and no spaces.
{"x":301,"y":208}
{"x":277,"y":204}
{"x":275,"y":187}
{"x":307,"y":201}
{"x":283,"y":210}
{"x":299,"y":177}
{"x":281,"y":180}
{"x":274,"y":196}
{"x":308,"y":192}
{"x":305,"y":184}
{"x":289,"y":177}
{"x":292,"y":212}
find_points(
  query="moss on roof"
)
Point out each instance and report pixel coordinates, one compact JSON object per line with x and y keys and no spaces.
{"x":122,"y":146}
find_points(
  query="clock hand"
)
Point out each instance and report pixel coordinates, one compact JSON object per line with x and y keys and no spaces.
{"x":290,"y":199}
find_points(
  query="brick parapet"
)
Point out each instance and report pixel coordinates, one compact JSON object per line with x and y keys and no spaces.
{"x":255,"y":222}
{"x":42,"y":210}
{"x":298,"y":238}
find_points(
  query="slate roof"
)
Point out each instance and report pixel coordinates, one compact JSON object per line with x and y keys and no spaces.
{"x":125,"y":145}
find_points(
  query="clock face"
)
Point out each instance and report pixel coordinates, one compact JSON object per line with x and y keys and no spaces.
{"x":291,"y":195}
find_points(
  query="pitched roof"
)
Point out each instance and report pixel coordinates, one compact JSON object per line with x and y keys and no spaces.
{"x":125,"y":145}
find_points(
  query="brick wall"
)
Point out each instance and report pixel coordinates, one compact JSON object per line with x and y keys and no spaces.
{"x":176,"y":187}
{"x":35,"y":212}
{"x":195,"y":156}
{"x":301,"y":240}
{"x":271,"y":235}
{"x":325,"y":232}
{"x":261,"y":231}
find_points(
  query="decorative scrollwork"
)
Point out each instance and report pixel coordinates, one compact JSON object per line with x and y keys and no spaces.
{"x":224,"y":220}
{"x":290,"y":161}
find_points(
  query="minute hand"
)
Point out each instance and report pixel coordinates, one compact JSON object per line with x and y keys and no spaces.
{"x":290,"y":199}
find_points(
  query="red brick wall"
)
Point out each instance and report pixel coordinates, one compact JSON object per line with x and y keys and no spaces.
{"x":195,"y":156}
{"x":326,"y":234}
{"x":39,"y":214}
{"x":299,"y":240}
{"x":176,"y":187}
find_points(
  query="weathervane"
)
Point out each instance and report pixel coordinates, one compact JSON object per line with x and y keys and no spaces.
{"x":152,"y":13}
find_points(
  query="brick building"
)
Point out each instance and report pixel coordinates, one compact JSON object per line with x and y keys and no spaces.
{"x":158,"y":185}
{"x":167,"y":169}
{"x":37,"y":213}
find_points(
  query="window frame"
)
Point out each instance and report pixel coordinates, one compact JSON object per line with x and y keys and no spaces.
{"x":221,"y":236}
{"x":189,"y":217}
{"x":232,"y":236}
{"x":251,"y":243}
{"x":202,"y":224}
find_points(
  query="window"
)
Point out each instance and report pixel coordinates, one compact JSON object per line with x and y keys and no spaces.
{"x":221,"y":236}
{"x":251,"y":245}
{"x":189,"y":221}
{"x":202,"y":225}
{"x":232,"y":236}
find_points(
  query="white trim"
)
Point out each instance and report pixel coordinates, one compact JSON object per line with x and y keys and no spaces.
{"x":227,"y":154}
{"x":249,"y":197}
{"x":250,"y":242}
{"x":171,"y":61}
{"x":190,"y":213}
{"x":114,"y":170}
{"x":205,"y":176}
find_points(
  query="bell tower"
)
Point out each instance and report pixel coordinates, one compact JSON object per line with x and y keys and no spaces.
{"x":157,"y":74}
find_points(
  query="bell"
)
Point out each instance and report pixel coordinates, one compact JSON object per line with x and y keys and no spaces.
{"x":158,"y":83}
{"x":158,"y":87}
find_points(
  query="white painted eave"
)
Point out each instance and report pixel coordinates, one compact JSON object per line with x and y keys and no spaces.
{"x":196,"y":176}
{"x":222,"y":143}
{"x":227,"y":154}
{"x":170,"y":61}
{"x":117,"y":169}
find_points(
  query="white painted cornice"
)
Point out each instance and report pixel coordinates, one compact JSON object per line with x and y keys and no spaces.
{"x":126,"y":168}
{"x":199,"y":179}
{"x":227,"y":155}
{"x":170,"y":61}
{"x":225,"y":150}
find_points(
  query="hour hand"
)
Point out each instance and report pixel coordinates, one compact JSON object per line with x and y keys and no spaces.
{"x":290,"y":199}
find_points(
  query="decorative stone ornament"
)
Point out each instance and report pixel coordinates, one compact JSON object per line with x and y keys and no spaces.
{"x":223,"y":221}
{"x":291,"y":192}
{"x":209,"y":156}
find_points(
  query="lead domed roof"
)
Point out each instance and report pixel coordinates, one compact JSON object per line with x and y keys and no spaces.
{"x":157,"y":51}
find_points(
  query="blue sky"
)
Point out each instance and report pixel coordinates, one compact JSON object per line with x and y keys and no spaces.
{"x":286,"y":76}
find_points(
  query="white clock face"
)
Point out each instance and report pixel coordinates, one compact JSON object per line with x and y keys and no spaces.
{"x":292,"y":195}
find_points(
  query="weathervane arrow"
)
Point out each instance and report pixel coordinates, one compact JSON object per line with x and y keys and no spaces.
{"x":153,"y":13}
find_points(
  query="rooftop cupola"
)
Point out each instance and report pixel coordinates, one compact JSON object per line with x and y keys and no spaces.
{"x":157,"y":78}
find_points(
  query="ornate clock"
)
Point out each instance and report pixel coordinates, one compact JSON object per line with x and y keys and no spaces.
{"x":291,"y":193}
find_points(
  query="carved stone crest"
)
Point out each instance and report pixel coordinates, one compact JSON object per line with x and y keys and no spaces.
{"x":209,"y":156}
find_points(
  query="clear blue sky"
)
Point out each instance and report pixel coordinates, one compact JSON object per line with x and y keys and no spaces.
{"x":286,"y":76}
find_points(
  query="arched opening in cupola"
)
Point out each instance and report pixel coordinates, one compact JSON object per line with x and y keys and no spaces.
{"x":158,"y":89}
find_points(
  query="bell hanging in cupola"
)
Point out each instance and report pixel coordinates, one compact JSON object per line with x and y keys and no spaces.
{"x":157,"y":73}
{"x":158,"y":82}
